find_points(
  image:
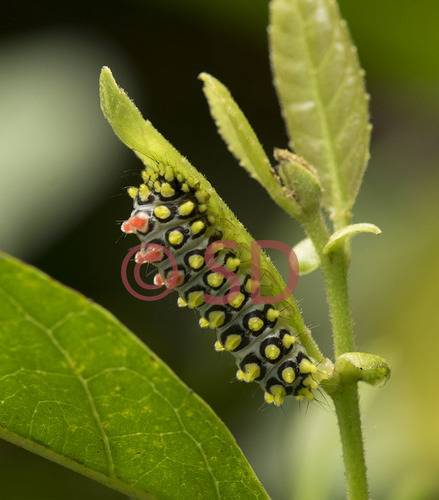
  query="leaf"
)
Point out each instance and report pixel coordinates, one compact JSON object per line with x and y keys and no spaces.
{"x":321,"y":90}
{"x":236,"y":131}
{"x":369,"y":368}
{"x":337,"y":239}
{"x":307,"y":256}
{"x":78,"y":388}
{"x":243,"y":143}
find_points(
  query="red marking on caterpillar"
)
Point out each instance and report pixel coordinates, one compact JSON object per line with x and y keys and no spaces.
{"x":135,"y":223}
{"x":171,"y":284}
{"x":146,"y":255}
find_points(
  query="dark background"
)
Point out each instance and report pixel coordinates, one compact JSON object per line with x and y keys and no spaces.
{"x":62,"y":199}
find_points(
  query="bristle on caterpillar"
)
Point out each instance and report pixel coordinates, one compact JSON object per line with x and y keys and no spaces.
{"x":173,"y":211}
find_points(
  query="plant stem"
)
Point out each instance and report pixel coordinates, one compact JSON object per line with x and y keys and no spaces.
{"x":334,"y":268}
{"x":349,"y":421}
{"x":345,"y":396}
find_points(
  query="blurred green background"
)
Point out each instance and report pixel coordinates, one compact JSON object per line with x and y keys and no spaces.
{"x":62,"y":199}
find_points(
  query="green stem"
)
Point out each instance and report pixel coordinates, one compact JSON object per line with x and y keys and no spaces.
{"x":349,"y":421}
{"x":334,"y":267}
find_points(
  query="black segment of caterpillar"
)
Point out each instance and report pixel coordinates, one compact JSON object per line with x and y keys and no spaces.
{"x":174,"y":212}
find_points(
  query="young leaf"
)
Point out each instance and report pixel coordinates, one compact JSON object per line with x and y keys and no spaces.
{"x":369,"y":368}
{"x":337,"y":239}
{"x":243,"y":143}
{"x":321,"y":90}
{"x":78,"y":388}
{"x":307,"y":256}
{"x":236,"y":131}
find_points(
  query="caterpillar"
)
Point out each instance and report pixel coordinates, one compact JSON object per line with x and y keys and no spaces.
{"x":172,"y":209}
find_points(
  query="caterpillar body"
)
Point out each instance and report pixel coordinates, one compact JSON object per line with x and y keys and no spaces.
{"x":173,"y":210}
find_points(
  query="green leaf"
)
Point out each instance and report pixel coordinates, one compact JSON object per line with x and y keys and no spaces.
{"x":236,"y":131}
{"x":321,"y":90}
{"x":369,"y":368}
{"x":245,"y":146}
{"x":78,"y":388}
{"x":307,"y":256}
{"x":338,"y":239}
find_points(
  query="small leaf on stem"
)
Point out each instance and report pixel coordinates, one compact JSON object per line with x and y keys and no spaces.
{"x":339,"y":237}
{"x":307,"y":256}
{"x":369,"y":368}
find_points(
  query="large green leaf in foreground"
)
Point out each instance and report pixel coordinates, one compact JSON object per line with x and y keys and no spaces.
{"x":80,"y":389}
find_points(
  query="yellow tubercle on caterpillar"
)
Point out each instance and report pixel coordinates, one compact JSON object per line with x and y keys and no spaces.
{"x":288,"y":340}
{"x":215,"y":280}
{"x":132,"y":192}
{"x":251,"y":285}
{"x":218,"y":346}
{"x":167,"y":191}
{"x":240,"y":375}
{"x":310,"y":382}
{"x":162,"y":212}
{"x":304,"y":393}
{"x":197,"y":227}
{"x":144,"y":192}
{"x":236,"y":302}
{"x":278,"y":394}
{"x":251,"y":372}
{"x":202,"y":196}
{"x":272,"y":352}
{"x":255,"y":324}
{"x":203,"y":322}
{"x":232,"y":342}
{"x":181,"y":302}
{"x":193,"y":183}
{"x":186,"y":209}
{"x":232,"y":263}
{"x":202,"y":207}
{"x":175,"y":237}
{"x":288,"y":375}
{"x":268,"y":398}
{"x":169,"y":174}
{"x":307,"y":367}
{"x":196,"y":261}
{"x":216,"y":319}
{"x":195,"y":299}
{"x":272,"y":314}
